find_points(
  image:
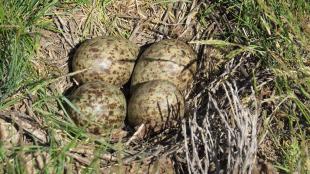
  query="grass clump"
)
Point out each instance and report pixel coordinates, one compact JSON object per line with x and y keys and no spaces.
{"x":280,"y":34}
{"x":19,"y":21}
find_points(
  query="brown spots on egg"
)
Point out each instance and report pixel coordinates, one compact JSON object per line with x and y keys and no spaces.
{"x":116,"y":48}
{"x":113,"y":105}
{"x":167,"y":60}
{"x":94,"y":49}
{"x":98,"y":103}
{"x":152,"y":102}
{"x":103,"y":55}
{"x":96,"y":56}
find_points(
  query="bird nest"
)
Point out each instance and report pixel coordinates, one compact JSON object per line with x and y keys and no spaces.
{"x":221,"y":127}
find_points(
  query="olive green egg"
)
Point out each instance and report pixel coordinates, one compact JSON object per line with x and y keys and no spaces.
{"x":107,"y":58}
{"x":98,"y":107}
{"x":169,"y":59}
{"x":158,"y":104}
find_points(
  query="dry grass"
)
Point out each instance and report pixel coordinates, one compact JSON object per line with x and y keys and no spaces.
{"x":228,"y":105}
{"x":145,"y":23}
{"x":142,"y":23}
{"x":226,"y":134}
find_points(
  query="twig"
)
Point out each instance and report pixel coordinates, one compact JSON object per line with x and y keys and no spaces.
{"x":25,"y":122}
{"x":136,"y":135}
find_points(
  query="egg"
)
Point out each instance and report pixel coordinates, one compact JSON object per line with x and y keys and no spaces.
{"x":158,"y":104}
{"x":170,"y":59}
{"x":99,"y":107}
{"x":107,"y":58}
{"x":8,"y":134}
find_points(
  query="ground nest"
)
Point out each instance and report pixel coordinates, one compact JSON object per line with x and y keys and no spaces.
{"x":221,"y":131}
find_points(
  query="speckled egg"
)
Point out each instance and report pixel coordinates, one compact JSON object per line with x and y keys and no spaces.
{"x":170,"y":59}
{"x":158,"y":104}
{"x":99,"y":107}
{"x":108,"y":59}
{"x":8,"y":134}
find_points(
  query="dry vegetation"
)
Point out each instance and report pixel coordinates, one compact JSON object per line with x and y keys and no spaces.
{"x":233,"y":107}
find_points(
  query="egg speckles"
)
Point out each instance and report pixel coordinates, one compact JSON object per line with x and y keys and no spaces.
{"x":108,"y":59}
{"x":156,"y":103}
{"x":101,"y":107}
{"x":170,"y":60}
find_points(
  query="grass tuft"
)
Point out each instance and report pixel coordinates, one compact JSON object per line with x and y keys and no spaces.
{"x":19,"y":21}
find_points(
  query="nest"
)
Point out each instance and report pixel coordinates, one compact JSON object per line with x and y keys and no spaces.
{"x":220,"y":132}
